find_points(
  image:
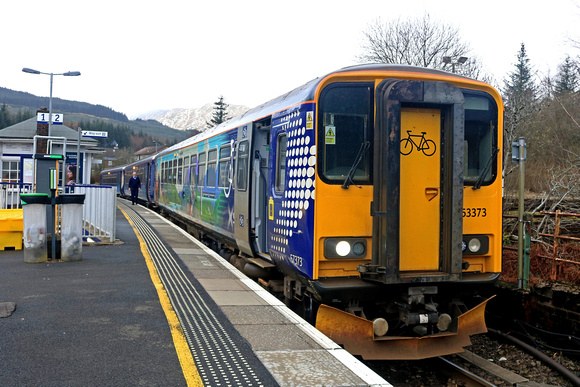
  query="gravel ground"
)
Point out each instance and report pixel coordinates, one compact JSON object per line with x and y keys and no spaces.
{"x":426,"y":372}
{"x":514,"y":359}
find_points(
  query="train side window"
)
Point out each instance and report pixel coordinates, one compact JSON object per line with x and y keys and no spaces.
{"x":180,"y":171}
{"x":224,"y":166}
{"x":345,"y":129}
{"x":192,"y":177}
{"x":201,"y":175}
{"x":165,"y":172}
{"x":242,"y":172}
{"x":185,"y":170}
{"x":211,"y":168}
{"x":174,"y":171}
{"x":281,"y":163}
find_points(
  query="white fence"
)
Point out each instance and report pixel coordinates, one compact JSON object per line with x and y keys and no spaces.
{"x":99,"y":210}
{"x":10,"y":194}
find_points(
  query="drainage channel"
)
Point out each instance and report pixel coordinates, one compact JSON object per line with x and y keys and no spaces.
{"x":219,"y":356}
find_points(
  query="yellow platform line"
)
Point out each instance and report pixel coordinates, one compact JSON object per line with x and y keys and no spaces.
{"x":183,"y":352}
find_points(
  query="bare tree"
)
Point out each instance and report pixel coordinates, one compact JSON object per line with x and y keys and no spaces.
{"x":417,"y":42}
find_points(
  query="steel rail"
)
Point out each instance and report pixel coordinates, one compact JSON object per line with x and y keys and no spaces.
{"x":473,"y":379}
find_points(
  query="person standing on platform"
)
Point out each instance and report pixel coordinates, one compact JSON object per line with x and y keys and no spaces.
{"x":134,"y":186}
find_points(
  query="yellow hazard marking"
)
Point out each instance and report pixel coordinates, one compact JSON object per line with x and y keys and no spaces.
{"x":183,"y":352}
{"x":330,"y":135}
{"x":271,"y":208}
{"x":310,"y":120}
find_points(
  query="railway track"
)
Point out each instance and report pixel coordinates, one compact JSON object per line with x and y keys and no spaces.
{"x":462,"y":375}
{"x":457,"y":370}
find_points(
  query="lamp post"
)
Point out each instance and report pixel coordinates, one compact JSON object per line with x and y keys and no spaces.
{"x":157,"y":143}
{"x":460,"y":61}
{"x":67,"y":74}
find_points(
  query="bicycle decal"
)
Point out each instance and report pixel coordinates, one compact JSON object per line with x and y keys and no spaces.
{"x":428,"y":147}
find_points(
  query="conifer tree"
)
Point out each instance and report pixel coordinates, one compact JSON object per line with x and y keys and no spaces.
{"x":567,"y":77}
{"x":4,"y":118}
{"x":520,"y":100}
{"x":220,"y":112}
{"x":520,"y":88}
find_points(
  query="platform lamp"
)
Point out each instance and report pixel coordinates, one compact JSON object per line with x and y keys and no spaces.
{"x":460,"y":61}
{"x":67,"y":74}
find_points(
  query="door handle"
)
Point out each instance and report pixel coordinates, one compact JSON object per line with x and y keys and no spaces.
{"x":431,"y":193}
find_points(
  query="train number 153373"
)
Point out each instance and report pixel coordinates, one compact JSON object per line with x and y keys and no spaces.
{"x":474,"y":212}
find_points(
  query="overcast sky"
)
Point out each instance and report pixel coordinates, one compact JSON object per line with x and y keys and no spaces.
{"x":137,"y":56}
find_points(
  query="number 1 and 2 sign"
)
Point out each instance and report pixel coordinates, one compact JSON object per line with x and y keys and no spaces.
{"x":57,"y":118}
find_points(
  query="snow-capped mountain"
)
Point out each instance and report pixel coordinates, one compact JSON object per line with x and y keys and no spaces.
{"x":189,"y":119}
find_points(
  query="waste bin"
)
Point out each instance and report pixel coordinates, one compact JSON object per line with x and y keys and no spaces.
{"x":71,"y":228}
{"x":34,"y":225}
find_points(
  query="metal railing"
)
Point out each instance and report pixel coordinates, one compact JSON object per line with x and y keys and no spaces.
{"x":10,"y":194}
{"x":99,"y":210}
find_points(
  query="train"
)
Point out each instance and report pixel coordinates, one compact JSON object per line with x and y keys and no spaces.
{"x":369,"y":198}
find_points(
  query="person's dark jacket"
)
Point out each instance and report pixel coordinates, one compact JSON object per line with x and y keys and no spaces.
{"x":134,"y":183}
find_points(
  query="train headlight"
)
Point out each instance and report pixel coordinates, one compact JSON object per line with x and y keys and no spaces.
{"x":475,"y":244}
{"x":358,"y":248}
{"x":345,"y":248}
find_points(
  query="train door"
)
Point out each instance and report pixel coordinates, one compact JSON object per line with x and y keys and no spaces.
{"x":420,"y":189}
{"x":242,"y":223}
{"x":251,"y":173}
{"x":259,"y":205}
{"x":417,"y":178}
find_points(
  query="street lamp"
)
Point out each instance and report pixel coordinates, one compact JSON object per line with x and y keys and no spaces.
{"x":460,"y":61}
{"x":67,"y":74}
{"x":156,"y":143}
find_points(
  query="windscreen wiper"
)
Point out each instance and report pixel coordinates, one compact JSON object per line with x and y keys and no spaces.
{"x":483,"y":173}
{"x":364,"y":147}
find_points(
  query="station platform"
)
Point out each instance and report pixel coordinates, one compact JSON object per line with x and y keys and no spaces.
{"x":157,"y":308}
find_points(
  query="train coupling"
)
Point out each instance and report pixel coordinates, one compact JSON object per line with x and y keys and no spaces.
{"x":362,"y":337}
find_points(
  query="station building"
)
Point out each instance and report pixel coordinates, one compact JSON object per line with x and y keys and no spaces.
{"x":16,"y":147}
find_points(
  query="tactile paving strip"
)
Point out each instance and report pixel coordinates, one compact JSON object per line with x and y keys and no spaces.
{"x":218,"y":358}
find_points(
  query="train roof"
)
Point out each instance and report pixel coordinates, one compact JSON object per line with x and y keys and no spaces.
{"x":114,"y":169}
{"x":299,"y":95}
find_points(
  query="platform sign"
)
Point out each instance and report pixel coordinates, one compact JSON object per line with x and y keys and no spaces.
{"x":91,"y":133}
{"x":57,"y":118}
{"x":42,"y":118}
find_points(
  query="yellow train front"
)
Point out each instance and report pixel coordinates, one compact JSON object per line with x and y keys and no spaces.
{"x":404,"y":185}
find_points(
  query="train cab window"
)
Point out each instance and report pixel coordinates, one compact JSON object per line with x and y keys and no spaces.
{"x":211,"y":168}
{"x":180,"y":171}
{"x":480,"y":140}
{"x":281,"y":163}
{"x":224,"y":166}
{"x":201,"y":175}
{"x":242,"y":170}
{"x":345,"y":133}
{"x":192,"y":177}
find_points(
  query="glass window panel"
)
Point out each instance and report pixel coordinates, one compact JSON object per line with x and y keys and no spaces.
{"x":242,"y":170}
{"x":345,"y":133}
{"x":281,"y":163}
